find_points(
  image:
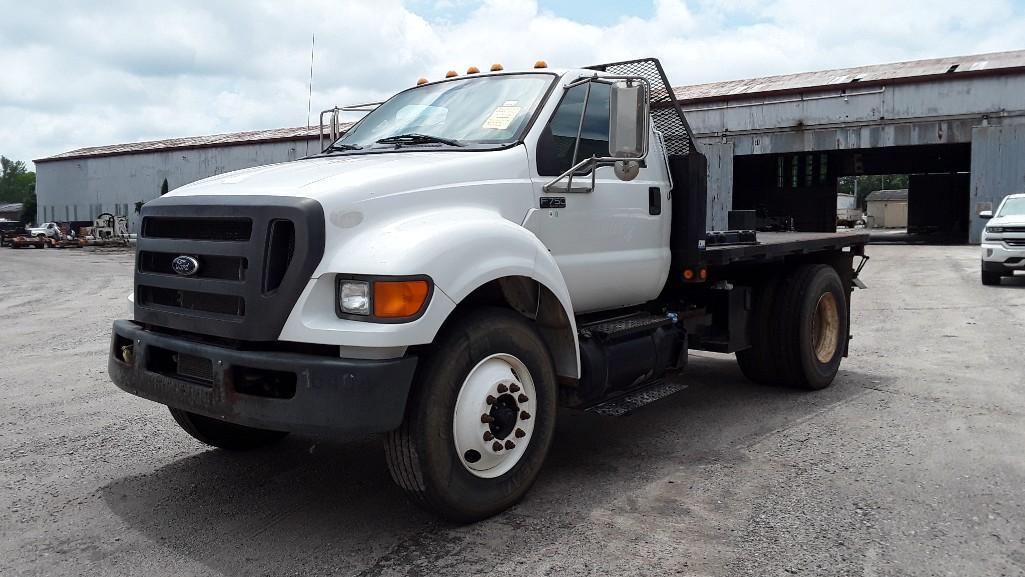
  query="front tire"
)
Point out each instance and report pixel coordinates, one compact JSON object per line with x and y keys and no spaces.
{"x":990,"y":278}
{"x":480,"y":418}
{"x":222,"y":434}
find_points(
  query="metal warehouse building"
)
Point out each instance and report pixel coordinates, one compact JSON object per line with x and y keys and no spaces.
{"x":776,"y":145}
{"x":81,"y":184}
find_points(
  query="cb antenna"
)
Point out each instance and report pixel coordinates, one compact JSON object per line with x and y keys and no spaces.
{"x":309,"y":101}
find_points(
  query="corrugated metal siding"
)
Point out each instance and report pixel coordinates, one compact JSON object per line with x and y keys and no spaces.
{"x":85,"y":187}
{"x":998,"y":169}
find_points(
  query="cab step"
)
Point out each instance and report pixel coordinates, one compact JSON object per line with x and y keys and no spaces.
{"x":635,"y":399}
{"x":624,"y":326}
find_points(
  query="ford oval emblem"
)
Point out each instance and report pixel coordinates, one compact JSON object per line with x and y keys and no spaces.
{"x":185,"y":265}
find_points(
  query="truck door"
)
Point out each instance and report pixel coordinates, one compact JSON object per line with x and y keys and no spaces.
{"x":612,"y":243}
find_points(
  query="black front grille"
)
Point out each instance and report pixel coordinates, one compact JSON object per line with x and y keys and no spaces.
{"x":280,"y":249}
{"x":1014,"y":228}
{"x":211,"y":266}
{"x":220,"y":304}
{"x":255,"y":255}
{"x":1015,"y":242}
{"x":230,"y":229}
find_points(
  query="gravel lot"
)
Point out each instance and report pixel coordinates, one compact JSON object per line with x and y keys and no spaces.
{"x":912,"y":463}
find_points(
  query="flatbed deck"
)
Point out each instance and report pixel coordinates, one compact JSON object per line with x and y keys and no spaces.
{"x":777,"y":245}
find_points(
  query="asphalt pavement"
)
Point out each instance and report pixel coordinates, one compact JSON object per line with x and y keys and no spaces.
{"x":911,"y":463}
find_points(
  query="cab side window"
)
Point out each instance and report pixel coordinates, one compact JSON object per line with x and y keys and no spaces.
{"x":555,"y":147}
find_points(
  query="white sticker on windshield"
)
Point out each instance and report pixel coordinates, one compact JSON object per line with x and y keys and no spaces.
{"x":502,"y":117}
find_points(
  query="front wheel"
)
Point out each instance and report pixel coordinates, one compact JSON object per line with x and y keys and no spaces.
{"x":990,"y":278}
{"x":480,"y":418}
{"x":222,"y":434}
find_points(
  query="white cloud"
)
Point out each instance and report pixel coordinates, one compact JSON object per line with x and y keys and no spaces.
{"x":83,"y":74}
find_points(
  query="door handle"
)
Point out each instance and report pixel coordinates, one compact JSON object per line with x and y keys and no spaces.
{"x":654,"y":200}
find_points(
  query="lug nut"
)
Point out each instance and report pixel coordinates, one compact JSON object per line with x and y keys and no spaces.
{"x":502,"y":388}
{"x":496,"y":446}
{"x":522,"y":398}
{"x":520,"y":433}
{"x":514,"y":388}
{"x":486,"y":418}
{"x":510,"y":445}
{"x":488,"y":436}
{"x":490,"y":400}
{"x":524,"y":415}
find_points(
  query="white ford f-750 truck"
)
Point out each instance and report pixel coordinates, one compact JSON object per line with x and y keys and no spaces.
{"x":471,"y":255}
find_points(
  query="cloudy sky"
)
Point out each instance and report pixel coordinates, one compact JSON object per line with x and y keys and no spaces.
{"x":87,"y":73}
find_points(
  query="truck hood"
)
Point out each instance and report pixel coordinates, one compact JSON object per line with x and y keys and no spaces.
{"x":357,"y":177}
{"x":1009,"y":220}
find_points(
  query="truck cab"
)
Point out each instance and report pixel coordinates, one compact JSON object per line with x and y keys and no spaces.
{"x":473,"y":254}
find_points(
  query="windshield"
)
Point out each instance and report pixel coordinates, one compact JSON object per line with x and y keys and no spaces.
{"x":487,"y":110}
{"x":1013,"y":207}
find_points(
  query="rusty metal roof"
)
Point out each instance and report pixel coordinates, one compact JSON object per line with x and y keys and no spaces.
{"x":232,"y":139}
{"x":897,"y":194}
{"x":914,"y":71}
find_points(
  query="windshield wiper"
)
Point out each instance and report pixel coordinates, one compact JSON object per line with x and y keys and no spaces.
{"x":417,"y":138}
{"x":340,"y":146}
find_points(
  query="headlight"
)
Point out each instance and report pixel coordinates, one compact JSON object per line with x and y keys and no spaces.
{"x":354,"y":297}
{"x":382,"y":299}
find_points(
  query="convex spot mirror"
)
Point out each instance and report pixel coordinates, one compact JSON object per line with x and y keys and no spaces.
{"x":986,"y":214}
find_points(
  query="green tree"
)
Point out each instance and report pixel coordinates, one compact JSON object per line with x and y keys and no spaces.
{"x":17,"y":184}
{"x":28,"y":208}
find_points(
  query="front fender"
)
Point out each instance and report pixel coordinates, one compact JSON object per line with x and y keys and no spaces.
{"x":461,"y":249}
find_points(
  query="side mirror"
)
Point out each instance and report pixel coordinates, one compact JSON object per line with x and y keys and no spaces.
{"x":628,"y":127}
{"x":987,"y":214}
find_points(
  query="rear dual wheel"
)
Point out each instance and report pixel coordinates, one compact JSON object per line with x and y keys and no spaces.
{"x":480,"y":418}
{"x":799,"y":329}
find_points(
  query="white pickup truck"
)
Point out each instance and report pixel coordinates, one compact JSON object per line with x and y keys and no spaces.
{"x":473,"y":254}
{"x":47,"y":229}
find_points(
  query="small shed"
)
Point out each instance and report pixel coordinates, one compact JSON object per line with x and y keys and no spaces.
{"x":887,"y":208}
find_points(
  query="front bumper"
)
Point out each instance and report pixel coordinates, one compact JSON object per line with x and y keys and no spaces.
{"x":999,"y":257}
{"x":270,"y":390}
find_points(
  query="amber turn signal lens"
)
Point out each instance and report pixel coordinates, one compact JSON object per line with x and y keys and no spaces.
{"x":688,"y":274}
{"x":398,"y":299}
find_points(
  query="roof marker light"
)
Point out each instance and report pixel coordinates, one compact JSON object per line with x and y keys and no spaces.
{"x":472,"y":70}
{"x":451,"y":74}
{"x":496,"y":67}
{"x":540,"y":64}
{"x":421,"y":81}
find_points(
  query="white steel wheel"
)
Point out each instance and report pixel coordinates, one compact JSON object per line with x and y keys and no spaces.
{"x":494,"y":416}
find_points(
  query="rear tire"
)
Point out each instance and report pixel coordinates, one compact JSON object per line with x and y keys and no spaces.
{"x":811,"y":320}
{"x":458,"y":386}
{"x":991,"y":278}
{"x":224,"y":435}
